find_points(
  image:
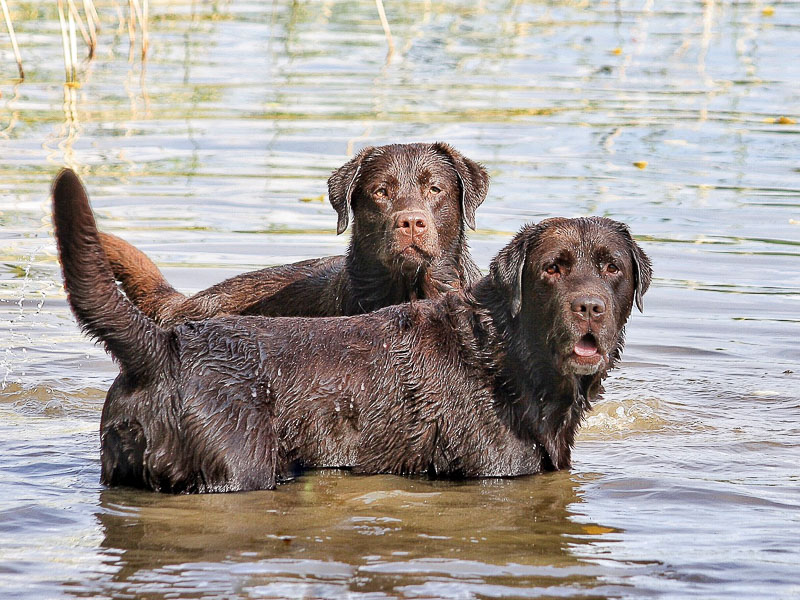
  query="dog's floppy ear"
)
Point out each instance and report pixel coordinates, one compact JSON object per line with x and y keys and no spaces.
{"x":642,"y":269}
{"x":340,"y":188}
{"x":473,"y":179}
{"x":507,"y":267}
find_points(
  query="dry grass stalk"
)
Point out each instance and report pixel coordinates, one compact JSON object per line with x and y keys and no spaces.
{"x":13,"y":37}
{"x":73,"y":11}
{"x":91,"y":22}
{"x":145,"y":31}
{"x":386,"y":30}
{"x":139,"y":12}
{"x":69,"y":59}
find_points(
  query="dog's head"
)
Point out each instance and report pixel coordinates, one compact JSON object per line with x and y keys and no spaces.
{"x":409,"y":201}
{"x":571,"y":284}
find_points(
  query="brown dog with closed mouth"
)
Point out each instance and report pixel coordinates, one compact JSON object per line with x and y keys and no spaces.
{"x":492,"y":381}
{"x":410,"y":204}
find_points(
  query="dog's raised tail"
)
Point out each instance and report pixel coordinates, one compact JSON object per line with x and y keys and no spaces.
{"x":135,"y":341}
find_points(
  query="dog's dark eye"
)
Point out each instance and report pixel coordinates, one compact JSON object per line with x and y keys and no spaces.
{"x":435,"y":190}
{"x":381,"y":193}
{"x":612,"y":268}
{"x":552,"y":269}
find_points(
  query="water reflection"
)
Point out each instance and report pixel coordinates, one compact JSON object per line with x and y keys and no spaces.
{"x":350,"y":534}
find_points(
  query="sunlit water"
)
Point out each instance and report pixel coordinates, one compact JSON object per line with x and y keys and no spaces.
{"x":213,"y":158}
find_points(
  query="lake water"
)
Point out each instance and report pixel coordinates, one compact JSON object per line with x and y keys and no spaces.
{"x":212,"y":157}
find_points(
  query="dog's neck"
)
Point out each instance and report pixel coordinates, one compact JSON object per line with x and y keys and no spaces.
{"x":372,"y":285}
{"x":544,"y":404}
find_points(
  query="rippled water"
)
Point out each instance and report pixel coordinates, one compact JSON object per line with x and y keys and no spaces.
{"x":212,"y":157}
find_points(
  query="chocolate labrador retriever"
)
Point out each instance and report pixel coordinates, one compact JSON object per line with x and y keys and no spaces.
{"x":491,"y":381}
{"x":410,"y":203}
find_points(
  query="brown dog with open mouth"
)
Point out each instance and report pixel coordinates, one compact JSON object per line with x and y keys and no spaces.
{"x":492,"y":381}
{"x":410,"y":205}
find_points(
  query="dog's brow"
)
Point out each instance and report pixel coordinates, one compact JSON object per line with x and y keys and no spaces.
{"x":562,"y":255}
{"x":604,"y":253}
{"x":433,"y":175}
{"x":379,"y":178}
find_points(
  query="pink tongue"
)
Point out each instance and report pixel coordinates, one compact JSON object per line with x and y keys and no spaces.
{"x":585,"y":348}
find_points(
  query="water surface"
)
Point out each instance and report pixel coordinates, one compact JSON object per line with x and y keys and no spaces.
{"x":212,"y":157}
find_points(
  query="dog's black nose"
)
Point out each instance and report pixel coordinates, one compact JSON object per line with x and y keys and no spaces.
{"x":588,"y":307}
{"x":411,"y":222}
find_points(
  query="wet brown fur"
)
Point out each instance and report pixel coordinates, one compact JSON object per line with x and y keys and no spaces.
{"x":379,"y":269}
{"x":479,"y":383}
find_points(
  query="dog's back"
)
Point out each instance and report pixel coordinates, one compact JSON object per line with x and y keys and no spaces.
{"x":195,"y":408}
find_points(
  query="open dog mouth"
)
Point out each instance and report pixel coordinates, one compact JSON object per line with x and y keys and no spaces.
{"x":586,"y":346}
{"x":586,"y":357}
{"x":586,"y":350}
